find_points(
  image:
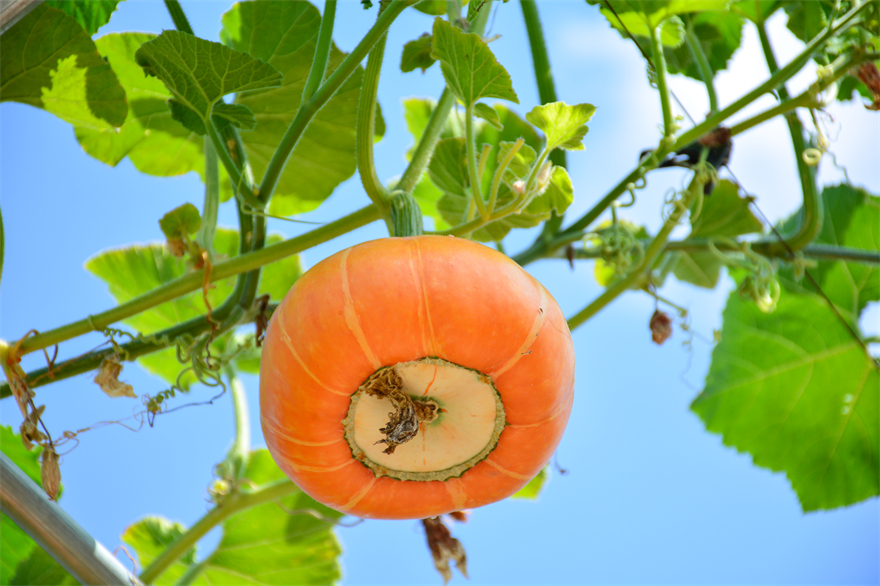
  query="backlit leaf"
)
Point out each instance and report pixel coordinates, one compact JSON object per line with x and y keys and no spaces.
{"x":565,"y":126}
{"x":132,"y":271}
{"x":41,"y":569}
{"x":181,"y":221}
{"x":796,"y":391}
{"x":262,"y":545}
{"x":198,"y":72}
{"x":149,"y":537}
{"x":284,"y":35}
{"x":50,"y":62}
{"x":417,"y":54}
{"x":448,"y":167}
{"x":718,"y":34}
{"x":90,"y":14}
{"x":489,"y":114}
{"x":469,"y":67}
{"x":154,"y":142}
{"x":723,"y":214}
{"x":531,"y":490}
{"x":851,"y":218}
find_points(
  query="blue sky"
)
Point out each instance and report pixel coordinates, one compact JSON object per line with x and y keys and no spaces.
{"x":649,"y":497}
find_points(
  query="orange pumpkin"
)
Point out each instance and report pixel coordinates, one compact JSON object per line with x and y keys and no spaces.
{"x":455,"y":330}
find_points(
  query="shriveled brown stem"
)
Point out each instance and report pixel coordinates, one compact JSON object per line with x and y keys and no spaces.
{"x":403,"y":422}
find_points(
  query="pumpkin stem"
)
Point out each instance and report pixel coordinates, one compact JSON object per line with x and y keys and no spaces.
{"x":406,"y":215}
{"x":403,"y":422}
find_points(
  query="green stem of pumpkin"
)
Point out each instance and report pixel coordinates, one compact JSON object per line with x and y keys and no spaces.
{"x":205,"y":235}
{"x":473,"y":175}
{"x":699,"y":56}
{"x":366,"y":128}
{"x":178,"y":16}
{"x":326,"y":90}
{"x":322,"y":52}
{"x":662,"y":87}
{"x":193,"y":281}
{"x":546,"y":92}
{"x":811,"y":219}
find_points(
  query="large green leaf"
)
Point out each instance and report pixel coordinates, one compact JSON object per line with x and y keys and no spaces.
{"x":724,"y":214}
{"x":154,"y":142}
{"x":90,"y":14}
{"x":198,"y":73}
{"x":132,"y":271}
{"x":640,"y":18}
{"x":50,"y":62}
{"x":261,"y":545}
{"x":796,"y":391}
{"x":284,"y":35}
{"x":718,"y":34}
{"x":851,"y":218}
{"x":149,"y":537}
{"x":41,"y":569}
{"x":469,"y":67}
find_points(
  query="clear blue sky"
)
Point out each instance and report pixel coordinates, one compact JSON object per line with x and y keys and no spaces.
{"x":650,"y":497}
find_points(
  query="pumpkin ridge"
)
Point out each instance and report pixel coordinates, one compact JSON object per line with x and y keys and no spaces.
{"x":435,"y":347}
{"x":533,"y":334}
{"x":289,"y":343}
{"x":351,"y":318}
{"x":563,"y":405}
{"x":504,"y":470}
{"x":457,"y":492}
{"x":427,"y":342}
{"x":281,"y":432}
{"x":359,"y":495}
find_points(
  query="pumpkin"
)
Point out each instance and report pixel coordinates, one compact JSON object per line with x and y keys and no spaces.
{"x":406,"y":378}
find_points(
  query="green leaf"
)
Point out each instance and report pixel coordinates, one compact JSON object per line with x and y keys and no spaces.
{"x":434,"y":7}
{"x":469,"y":67}
{"x":565,"y":126}
{"x":808,"y":19}
{"x":40,"y":569}
{"x":91,"y":14}
{"x":198,"y":72}
{"x":796,"y":391}
{"x":154,"y":142}
{"x":755,"y":10}
{"x":50,"y":62}
{"x":284,"y":34}
{"x":264,"y":545}
{"x":132,"y":271}
{"x":448,"y":167}
{"x":427,"y":195}
{"x":633,"y":17}
{"x":417,"y":53}
{"x":489,"y":114}
{"x":531,"y":490}
{"x":181,"y":221}
{"x":851,"y":218}
{"x":718,"y":34}
{"x":724,"y":214}
{"x":149,"y":537}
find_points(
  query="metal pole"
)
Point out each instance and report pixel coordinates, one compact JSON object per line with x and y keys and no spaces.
{"x":11,"y":11}
{"x":55,"y":531}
